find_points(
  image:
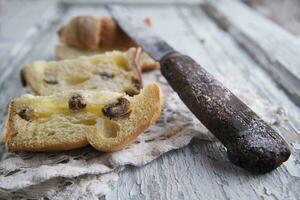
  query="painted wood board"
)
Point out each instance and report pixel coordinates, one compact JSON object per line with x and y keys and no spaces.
{"x":203,"y":167}
{"x":285,"y":13}
{"x":201,"y":170}
{"x":270,"y":45}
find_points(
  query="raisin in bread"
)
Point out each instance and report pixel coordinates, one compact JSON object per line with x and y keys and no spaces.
{"x":107,"y":120}
{"x":113,"y":71}
{"x":62,"y":52}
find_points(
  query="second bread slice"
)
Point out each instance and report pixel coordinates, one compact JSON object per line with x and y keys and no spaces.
{"x":112,"y":71}
{"x":62,"y":52}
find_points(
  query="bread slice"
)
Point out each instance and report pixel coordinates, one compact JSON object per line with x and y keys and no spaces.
{"x":90,"y":33}
{"x":87,"y":35}
{"x":68,"y":120}
{"x":113,"y":71}
{"x":82,"y":32}
{"x":145,"y":109}
{"x":62,"y":52}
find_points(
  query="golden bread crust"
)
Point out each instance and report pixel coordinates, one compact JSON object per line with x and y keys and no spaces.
{"x":90,"y":33}
{"x":37,"y":73}
{"x":35,"y":147}
{"x":112,"y":36}
{"x":62,"y":52}
{"x":81,"y":32}
{"x":142,"y":125}
{"x":17,"y":137}
{"x":92,"y":36}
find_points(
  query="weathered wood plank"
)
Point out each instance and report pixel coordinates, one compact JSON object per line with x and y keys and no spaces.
{"x":131,"y":2}
{"x":20,"y":24}
{"x":285,"y":13}
{"x":201,"y":170}
{"x":270,"y":45}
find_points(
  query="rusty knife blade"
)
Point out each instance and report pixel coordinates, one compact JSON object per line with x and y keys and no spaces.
{"x":156,"y":47}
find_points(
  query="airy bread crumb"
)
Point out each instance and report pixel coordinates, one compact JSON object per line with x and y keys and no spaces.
{"x":113,"y":71}
{"x":50,"y":123}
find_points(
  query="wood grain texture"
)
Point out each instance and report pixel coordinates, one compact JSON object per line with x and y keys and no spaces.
{"x":267,"y":43}
{"x":285,"y":13}
{"x":200,"y":170}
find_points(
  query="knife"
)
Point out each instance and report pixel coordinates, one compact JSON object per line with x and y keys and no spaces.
{"x":250,"y":142}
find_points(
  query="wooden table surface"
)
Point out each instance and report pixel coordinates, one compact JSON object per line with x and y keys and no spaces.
{"x":229,"y":39}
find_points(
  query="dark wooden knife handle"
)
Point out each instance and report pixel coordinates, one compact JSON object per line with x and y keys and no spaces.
{"x":250,"y":142}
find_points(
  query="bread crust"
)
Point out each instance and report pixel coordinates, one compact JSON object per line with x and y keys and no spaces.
{"x":63,"y":52}
{"x":81,"y":32}
{"x":149,"y":66}
{"x":9,"y":123}
{"x":144,"y":124}
{"x":84,"y":139}
{"x":112,"y":36}
{"x":90,"y":34}
{"x":33,"y":78}
{"x":36,"y":147}
{"x":27,"y":78}
{"x":144,"y":66}
{"x":137,"y":66}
